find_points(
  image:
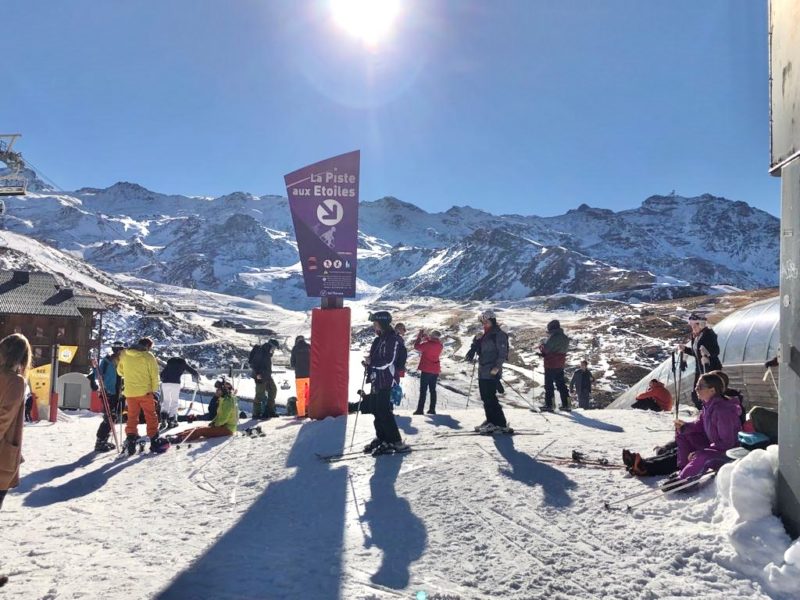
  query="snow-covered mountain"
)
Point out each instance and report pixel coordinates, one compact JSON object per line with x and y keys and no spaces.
{"x":244,"y":245}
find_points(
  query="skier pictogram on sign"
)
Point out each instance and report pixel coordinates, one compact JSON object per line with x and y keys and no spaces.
{"x":330,"y":212}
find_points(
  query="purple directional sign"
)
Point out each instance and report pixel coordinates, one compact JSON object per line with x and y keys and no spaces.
{"x":323,"y":198}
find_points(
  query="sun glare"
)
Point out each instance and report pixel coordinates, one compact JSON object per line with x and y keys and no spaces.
{"x":368,"y":20}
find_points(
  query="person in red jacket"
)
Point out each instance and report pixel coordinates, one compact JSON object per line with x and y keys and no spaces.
{"x":656,"y":397}
{"x":430,"y":349}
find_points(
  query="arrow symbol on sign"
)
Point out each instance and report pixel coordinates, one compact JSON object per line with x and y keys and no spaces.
{"x":329,"y":212}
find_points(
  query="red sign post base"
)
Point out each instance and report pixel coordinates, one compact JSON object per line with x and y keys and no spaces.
{"x":330,"y":362}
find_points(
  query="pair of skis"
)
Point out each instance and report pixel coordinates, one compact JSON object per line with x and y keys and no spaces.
{"x":356,"y":454}
{"x":670,"y":487}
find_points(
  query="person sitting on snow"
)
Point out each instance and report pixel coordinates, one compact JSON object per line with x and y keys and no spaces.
{"x":656,"y":398}
{"x":225,"y":421}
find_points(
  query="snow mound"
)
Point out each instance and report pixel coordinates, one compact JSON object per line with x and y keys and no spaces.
{"x":748,"y":490}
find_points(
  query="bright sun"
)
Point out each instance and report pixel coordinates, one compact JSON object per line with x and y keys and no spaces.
{"x":368,"y":20}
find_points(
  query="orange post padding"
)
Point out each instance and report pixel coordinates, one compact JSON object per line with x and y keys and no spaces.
{"x":330,"y":362}
{"x":301,"y":385}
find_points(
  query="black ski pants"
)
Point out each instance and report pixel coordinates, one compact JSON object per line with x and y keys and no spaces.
{"x":646,"y":404}
{"x":427,"y":381}
{"x":491,"y":405}
{"x":554,"y":378}
{"x":385,"y":426}
{"x":2,"y":497}
{"x":105,"y":427}
{"x":663,"y":463}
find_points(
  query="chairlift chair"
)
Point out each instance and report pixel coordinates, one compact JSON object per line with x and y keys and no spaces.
{"x":12,"y":184}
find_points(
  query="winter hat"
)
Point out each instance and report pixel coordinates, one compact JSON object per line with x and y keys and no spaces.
{"x":436,"y":334}
{"x":486,"y":315}
{"x":697,"y":318}
{"x":299,"y":338}
{"x":553,"y":325}
{"x":274,"y":342}
{"x":382,"y":316}
{"x":117,"y":347}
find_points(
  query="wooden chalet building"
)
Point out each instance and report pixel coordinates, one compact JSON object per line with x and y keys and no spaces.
{"x":35,"y":305}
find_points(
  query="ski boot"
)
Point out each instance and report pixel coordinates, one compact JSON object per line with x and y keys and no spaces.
{"x":102,"y":445}
{"x":172,"y":423}
{"x":489,"y":429}
{"x":257,"y":432}
{"x":478,"y":428}
{"x":158,"y":445}
{"x":142,"y":445}
{"x":506,"y":430}
{"x":130,"y":444}
{"x":369,"y":448}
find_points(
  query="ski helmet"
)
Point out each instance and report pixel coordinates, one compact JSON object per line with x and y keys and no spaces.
{"x":486,"y":315}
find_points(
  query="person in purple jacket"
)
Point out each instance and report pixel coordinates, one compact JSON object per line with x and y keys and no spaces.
{"x":702,"y":443}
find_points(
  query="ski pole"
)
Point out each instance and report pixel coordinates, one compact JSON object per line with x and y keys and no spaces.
{"x":534,"y":408}
{"x":212,"y":457}
{"x":358,"y":410}
{"x":106,"y":405}
{"x":690,"y":481}
{"x":471,"y":381}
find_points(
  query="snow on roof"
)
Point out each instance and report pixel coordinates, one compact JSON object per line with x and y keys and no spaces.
{"x":34,"y":293}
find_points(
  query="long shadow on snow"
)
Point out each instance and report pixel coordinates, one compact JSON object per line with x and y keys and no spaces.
{"x":526,"y":469}
{"x":30,"y":481}
{"x":80,"y":486}
{"x":404,"y":423}
{"x":445,"y":421}
{"x":288,"y":544}
{"x":589,"y":422}
{"x":397,"y":531}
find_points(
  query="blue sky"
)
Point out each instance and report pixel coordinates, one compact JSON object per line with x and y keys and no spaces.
{"x":527,"y":106}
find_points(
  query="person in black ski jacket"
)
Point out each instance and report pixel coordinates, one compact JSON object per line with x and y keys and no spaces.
{"x":492,"y":350}
{"x":382,"y":370}
{"x":261,"y":363}
{"x":582,"y":382}
{"x":300,"y":361}
{"x":704,"y":348}
{"x":171,"y":388}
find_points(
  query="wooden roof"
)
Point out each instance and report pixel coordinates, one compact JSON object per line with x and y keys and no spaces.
{"x":37,"y":293}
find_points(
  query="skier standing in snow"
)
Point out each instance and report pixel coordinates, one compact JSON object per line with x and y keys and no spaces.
{"x":382,"y":368}
{"x":225,"y":419}
{"x":430,"y":348}
{"x":492,"y":350}
{"x":705,"y":349}
{"x":138,"y":367}
{"x":261,"y":363}
{"x":554,"y":351}
{"x":107,"y":371}
{"x":582,"y":380}
{"x":171,"y":387}
{"x":15,"y":362}
{"x":300,"y":361}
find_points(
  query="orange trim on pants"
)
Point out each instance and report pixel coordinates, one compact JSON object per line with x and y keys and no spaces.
{"x":301,"y":385}
{"x":148,"y":405}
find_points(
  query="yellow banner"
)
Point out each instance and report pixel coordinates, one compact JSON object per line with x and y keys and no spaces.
{"x":39,"y":379}
{"x":67,"y":353}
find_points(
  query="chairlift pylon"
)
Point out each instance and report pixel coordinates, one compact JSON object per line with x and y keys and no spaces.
{"x":12,"y":184}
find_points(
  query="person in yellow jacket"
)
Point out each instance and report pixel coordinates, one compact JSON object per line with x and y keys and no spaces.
{"x":223,"y":424}
{"x":138,"y":368}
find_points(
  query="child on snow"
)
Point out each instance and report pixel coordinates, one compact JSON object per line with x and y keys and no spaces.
{"x":225,"y":421}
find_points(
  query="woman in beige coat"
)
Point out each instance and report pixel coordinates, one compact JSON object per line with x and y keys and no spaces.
{"x":15,"y":361}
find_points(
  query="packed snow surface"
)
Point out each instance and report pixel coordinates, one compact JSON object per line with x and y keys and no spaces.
{"x":459,"y":517}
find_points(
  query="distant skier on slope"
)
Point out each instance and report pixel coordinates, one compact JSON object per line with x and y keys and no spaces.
{"x":491,"y":347}
{"x":582,"y":380}
{"x":171,"y":386}
{"x":382,"y":368}
{"x":554,"y":351}
{"x":430,"y":349}
{"x":704,"y":347}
